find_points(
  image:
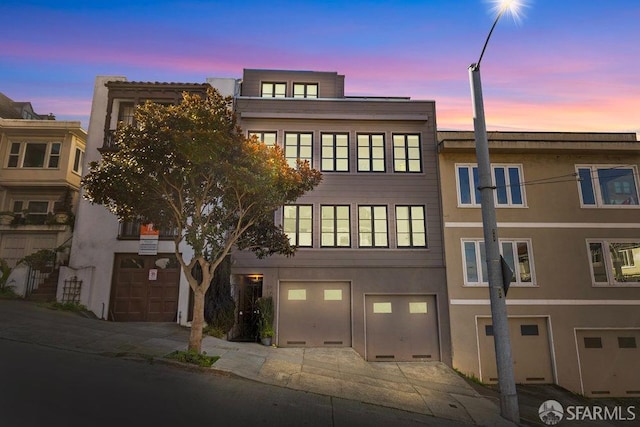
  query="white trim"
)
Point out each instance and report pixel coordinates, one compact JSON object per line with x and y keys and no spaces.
{"x":548,"y":302}
{"x":623,"y":225}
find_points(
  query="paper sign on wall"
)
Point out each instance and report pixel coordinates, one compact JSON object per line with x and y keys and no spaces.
{"x":153,"y":274}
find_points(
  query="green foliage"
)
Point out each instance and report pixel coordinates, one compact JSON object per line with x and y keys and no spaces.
{"x":75,"y":307}
{"x":219,"y":308}
{"x":193,"y":357}
{"x":214,"y":331}
{"x":265,"y":325}
{"x":5,"y":271}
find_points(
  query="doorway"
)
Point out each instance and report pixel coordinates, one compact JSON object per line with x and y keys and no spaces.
{"x":249,"y":290}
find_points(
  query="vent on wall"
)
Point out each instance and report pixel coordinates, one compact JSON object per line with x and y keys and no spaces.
{"x":421,"y":356}
{"x":535,"y":379}
{"x":633,"y":391}
{"x":385,"y":356}
{"x":333,"y":342}
{"x":296,"y":342}
{"x":600,"y":392}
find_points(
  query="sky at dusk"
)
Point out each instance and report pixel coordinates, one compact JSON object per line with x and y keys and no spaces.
{"x":568,"y":65}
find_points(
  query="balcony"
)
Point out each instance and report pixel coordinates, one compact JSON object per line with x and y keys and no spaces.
{"x":109,"y":142}
{"x":130,"y":230}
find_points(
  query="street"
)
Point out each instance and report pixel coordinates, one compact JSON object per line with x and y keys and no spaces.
{"x":45,"y":386}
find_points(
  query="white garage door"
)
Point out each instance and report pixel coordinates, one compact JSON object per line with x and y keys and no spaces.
{"x":609,"y":362}
{"x":314,"y":314}
{"x":530,"y":350}
{"x":402,"y":328}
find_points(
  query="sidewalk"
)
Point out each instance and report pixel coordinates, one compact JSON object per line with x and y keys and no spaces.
{"x":430,"y":388}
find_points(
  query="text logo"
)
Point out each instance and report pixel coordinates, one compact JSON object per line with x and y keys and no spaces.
{"x":551,"y":412}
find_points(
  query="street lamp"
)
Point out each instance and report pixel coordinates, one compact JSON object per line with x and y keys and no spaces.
{"x":506,"y":380}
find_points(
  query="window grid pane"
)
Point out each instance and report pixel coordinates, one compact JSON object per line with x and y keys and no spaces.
{"x":410,"y":226}
{"x":335,"y":226}
{"x":516,"y":253}
{"x":372,"y":226}
{"x":298,"y":146}
{"x":298,"y":224}
{"x":371,"y":153}
{"x":335,"y":153}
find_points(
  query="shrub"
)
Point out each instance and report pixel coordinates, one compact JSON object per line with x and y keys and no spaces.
{"x":192,"y":357}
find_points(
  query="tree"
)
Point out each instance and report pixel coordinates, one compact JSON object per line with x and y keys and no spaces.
{"x":188,"y":166}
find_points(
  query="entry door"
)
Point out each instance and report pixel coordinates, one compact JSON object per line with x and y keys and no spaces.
{"x":610,"y":362}
{"x":145,"y":288}
{"x":530,"y":350}
{"x":314,"y":314}
{"x":402,"y":328}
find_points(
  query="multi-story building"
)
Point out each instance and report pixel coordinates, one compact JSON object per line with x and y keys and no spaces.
{"x":567,"y":209}
{"x":369,"y":269}
{"x":40,"y":170}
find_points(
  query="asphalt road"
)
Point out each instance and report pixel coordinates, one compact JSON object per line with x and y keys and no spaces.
{"x":45,"y":386}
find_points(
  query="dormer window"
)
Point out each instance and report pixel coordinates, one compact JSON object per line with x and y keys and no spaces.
{"x":273,"y":90}
{"x":305,"y":90}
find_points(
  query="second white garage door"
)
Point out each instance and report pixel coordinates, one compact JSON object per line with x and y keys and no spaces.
{"x":314,"y":314}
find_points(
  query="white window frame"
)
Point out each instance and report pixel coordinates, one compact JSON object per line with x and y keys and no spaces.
{"x":22,"y":154}
{"x":475,"y":200}
{"x":479,"y":255}
{"x":608,"y":262}
{"x":597,"y":191}
{"x":78,"y":159}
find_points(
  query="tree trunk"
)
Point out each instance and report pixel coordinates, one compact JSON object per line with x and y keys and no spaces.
{"x":195,"y":338}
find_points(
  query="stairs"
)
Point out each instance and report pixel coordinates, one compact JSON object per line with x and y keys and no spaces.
{"x":47,"y":290}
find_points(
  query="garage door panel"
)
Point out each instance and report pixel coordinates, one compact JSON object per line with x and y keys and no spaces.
{"x":610,"y":362}
{"x":314,"y":314}
{"x":530,"y":350}
{"x":401,"y":328}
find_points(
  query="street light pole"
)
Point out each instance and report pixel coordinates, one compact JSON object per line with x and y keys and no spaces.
{"x":504,"y":362}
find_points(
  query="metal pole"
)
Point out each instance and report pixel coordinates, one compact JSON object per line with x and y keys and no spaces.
{"x":506,"y":380}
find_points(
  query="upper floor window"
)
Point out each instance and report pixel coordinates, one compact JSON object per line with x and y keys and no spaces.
{"x":77,"y":161}
{"x":406,"y":153}
{"x":506,"y":178}
{"x":371,"y":153}
{"x":35,"y":211}
{"x":615,"y":262}
{"x":269,"y":138}
{"x":125,"y":113}
{"x":34,"y":155}
{"x":298,"y":224}
{"x":372,"y":227}
{"x":298,"y":146}
{"x":335,"y":227}
{"x":305,"y":90}
{"x":335,"y":152}
{"x":517,"y":254}
{"x":608,"y":185}
{"x":273,"y":90}
{"x":410,"y":227}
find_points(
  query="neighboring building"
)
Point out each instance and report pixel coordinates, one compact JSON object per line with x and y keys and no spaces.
{"x":40,"y":165}
{"x":10,"y":109}
{"x":568,"y":223}
{"x":369,"y":271}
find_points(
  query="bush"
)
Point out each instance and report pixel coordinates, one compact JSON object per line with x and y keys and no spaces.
{"x":219,"y":306}
{"x":192,"y":357}
{"x":66,"y":306}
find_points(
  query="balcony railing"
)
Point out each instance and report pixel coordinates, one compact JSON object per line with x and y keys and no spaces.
{"x":109,"y":142}
{"x":131,"y":230}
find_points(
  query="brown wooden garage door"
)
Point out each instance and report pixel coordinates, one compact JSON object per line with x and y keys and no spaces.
{"x":610,"y":362}
{"x":145,"y":288}
{"x":530,"y":350}
{"x":314,"y":314}
{"x":402,"y":328}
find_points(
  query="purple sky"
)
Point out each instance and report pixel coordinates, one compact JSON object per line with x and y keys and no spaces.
{"x":569,"y":65}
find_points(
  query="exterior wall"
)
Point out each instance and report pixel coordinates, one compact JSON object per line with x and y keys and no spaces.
{"x":330,"y":85}
{"x":557,"y":227}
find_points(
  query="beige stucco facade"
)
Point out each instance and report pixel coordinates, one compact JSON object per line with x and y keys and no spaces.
{"x":570,"y":283}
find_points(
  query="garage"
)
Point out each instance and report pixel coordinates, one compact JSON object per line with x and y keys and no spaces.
{"x":16,"y":246}
{"x":145,"y":288}
{"x":609,"y":362}
{"x":314,"y":314}
{"x":530,"y":350}
{"x":401,"y":328}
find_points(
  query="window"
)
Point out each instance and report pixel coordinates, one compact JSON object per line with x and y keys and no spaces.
{"x":410,"y":227}
{"x":36,"y":210}
{"x":406,"y":153}
{"x":506,"y":178}
{"x":614,"y":262}
{"x":298,"y":146}
{"x":298,"y":224}
{"x":517,"y":254}
{"x":607,"y":185}
{"x":34,"y":155}
{"x":125,"y":113}
{"x":274,"y":90}
{"x":77,"y":161}
{"x":305,"y":90}
{"x":335,"y":227}
{"x":529,"y":330}
{"x":372,"y":226}
{"x":592,"y":342}
{"x":335,"y":152}
{"x":371,"y":153}
{"x":269,"y":138}
{"x":627,"y":342}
